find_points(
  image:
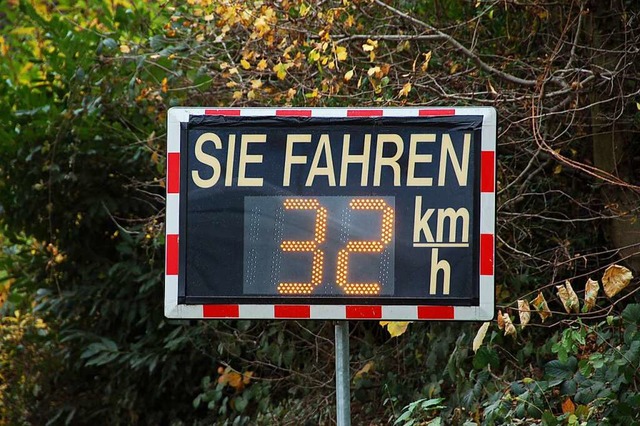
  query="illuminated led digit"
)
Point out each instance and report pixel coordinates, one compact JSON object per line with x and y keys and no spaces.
{"x":386,"y":234}
{"x":311,"y":246}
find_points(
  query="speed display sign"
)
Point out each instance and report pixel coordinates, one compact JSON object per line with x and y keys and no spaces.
{"x":331,"y":213}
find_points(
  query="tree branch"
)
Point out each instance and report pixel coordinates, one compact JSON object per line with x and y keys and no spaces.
{"x":469,"y":54}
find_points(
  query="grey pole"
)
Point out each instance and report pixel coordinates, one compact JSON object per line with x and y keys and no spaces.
{"x":343,"y":378}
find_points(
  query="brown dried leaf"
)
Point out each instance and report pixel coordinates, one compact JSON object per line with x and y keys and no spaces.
{"x":615,"y":278}
{"x":405,"y":90}
{"x":568,"y":406}
{"x":482,"y":332}
{"x":568,"y":297}
{"x":509,"y":328}
{"x":500,"y":320}
{"x":590,"y":294}
{"x":425,"y":64}
{"x":524,"y":311}
{"x":540,"y":305}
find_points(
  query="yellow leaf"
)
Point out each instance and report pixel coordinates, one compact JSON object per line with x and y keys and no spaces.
{"x":542,"y":14}
{"x":231,"y":378}
{"x":246,"y":377}
{"x":369,"y":45}
{"x":348,"y":75}
{"x":262,"y":65}
{"x":314,"y":56}
{"x":165,"y":85}
{"x":245,"y":64}
{"x":615,"y":278}
{"x":237,"y":95}
{"x":540,"y":305}
{"x":350,"y":21}
{"x":251,"y":95}
{"x":395,"y":328}
{"x":568,"y":406}
{"x":291,"y":93}
{"x":256,"y":84}
{"x":4,"y":47}
{"x":124,"y":48}
{"x":482,"y":332}
{"x":281,"y":70}
{"x":373,"y":71}
{"x":557,"y":169}
{"x":231,"y":84}
{"x":304,"y":9}
{"x":368,"y":367}
{"x":500,"y":320}
{"x":590,"y":294}
{"x":405,"y":90}
{"x":492,"y":90}
{"x":638,"y":105}
{"x":341,"y":53}
{"x":524,"y":312}
{"x":313,"y":94}
{"x":568,"y":297}
{"x":425,"y":64}
{"x":509,"y":328}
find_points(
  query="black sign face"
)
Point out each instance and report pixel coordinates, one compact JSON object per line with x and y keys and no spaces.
{"x":366,"y":210}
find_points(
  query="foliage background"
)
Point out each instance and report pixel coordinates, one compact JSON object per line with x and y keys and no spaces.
{"x":83,"y":98}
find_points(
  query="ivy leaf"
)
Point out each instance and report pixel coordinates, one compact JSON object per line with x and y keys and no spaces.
{"x":615,"y":278}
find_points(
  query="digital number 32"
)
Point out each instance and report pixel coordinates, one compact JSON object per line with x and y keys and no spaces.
{"x":320,"y":230}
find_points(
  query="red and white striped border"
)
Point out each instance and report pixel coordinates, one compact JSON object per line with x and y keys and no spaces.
{"x":483,"y":312}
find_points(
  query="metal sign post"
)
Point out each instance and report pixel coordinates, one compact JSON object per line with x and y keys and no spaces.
{"x":343,"y":391}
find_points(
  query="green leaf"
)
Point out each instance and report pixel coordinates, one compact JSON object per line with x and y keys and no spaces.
{"x":485,"y":356}
{"x":632,"y":313}
{"x":240,"y":403}
{"x":560,"y":370}
{"x":548,"y":419}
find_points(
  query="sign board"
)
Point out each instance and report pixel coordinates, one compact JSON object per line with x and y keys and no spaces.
{"x":331,"y":213}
